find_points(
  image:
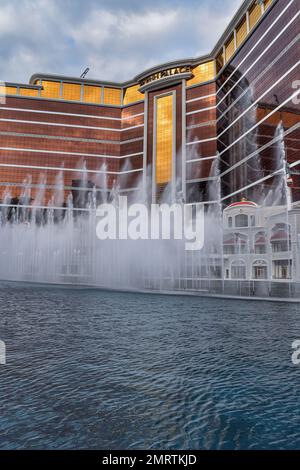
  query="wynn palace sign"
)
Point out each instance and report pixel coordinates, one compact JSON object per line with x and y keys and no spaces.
{"x":169,"y":75}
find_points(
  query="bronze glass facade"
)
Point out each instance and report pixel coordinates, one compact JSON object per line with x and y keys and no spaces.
{"x":226,"y":115}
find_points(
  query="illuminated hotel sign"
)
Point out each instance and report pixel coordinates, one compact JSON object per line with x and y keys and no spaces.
{"x":166,"y":74}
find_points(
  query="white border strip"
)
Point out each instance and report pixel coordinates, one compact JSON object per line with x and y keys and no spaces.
{"x":96,"y":155}
{"x":259,"y":57}
{"x":259,"y":150}
{"x":76,"y":170}
{"x":201,"y":159}
{"x":290,"y":98}
{"x":201,"y":98}
{"x":294,"y":95}
{"x":256,"y":44}
{"x":90,"y":116}
{"x":258,"y":100}
{"x":77,"y":126}
{"x":200,"y":110}
{"x":277,"y":172}
{"x":70,"y":138}
{"x":261,"y":75}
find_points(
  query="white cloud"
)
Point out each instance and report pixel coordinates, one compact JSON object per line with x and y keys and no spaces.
{"x":148,"y":24}
{"x":117,"y":40}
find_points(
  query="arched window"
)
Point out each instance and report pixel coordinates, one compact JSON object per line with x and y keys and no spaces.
{"x":238,"y":270}
{"x":260,"y":270}
{"x":260,"y":243}
{"x":241,"y":220}
{"x":235,"y":243}
{"x":281,"y":238}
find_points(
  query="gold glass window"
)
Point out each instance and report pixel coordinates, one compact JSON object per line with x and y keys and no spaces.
{"x":8,"y":90}
{"x":132,"y":94}
{"x":229,"y":48}
{"x":71,"y":92}
{"x":28,"y":92}
{"x":220,"y":61}
{"x":267,"y":3}
{"x":203,"y":73}
{"x":164,"y":139}
{"x":112,"y":96}
{"x":241,"y":32}
{"x":50,"y":90}
{"x":254,"y":15}
{"x":92,"y":94}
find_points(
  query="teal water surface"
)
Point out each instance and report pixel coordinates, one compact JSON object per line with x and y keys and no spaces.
{"x":91,"y":369}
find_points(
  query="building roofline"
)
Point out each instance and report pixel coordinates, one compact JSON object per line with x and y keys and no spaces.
{"x":231,"y":25}
{"x":186,"y":61}
{"x":134,"y":81}
{"x":173,"y":63}
{"x":23,"y":85}
{"x":87,"y":81}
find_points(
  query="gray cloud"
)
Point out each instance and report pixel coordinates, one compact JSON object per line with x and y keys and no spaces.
{"x":116,"y":39}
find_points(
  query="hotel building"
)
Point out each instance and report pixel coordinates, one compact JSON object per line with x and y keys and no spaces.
{"x":169,"y":125}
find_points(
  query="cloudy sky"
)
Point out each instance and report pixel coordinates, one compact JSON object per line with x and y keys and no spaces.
{"x":117,"y":39}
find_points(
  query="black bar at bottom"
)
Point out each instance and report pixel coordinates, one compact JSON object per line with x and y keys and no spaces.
{"x":137,"y":458}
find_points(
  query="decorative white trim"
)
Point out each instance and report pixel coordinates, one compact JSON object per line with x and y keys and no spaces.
{"x":70,"y":138}
{"x":77,"y":126}
{"x":295,"y":94}
{"x":259,"y":150}
{"x":201,"y":159}
{"x":257,"y":43}
{"x":258,"y":58}
{"x":76,"y":170}
{"x":259,"y":99}
{"x":89,"y":116}
{"x":200,"y":110}
{"x":284,"y":51}
{"x":79,"y":154}
{"x":183,"y":140}
{"x":201,"y":98}
{"x":199,"y":180}
{"x":265,"y":178}
{"x":145,"y":143}
{"x":211,"y":139}
{"x":173,"y":94}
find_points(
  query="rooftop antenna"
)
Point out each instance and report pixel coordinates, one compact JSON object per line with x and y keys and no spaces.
{"x":85,"y":72}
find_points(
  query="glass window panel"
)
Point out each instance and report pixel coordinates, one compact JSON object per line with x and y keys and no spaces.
{"x":112,"y":96}
{"x":164,"y":139}
{"x":8,"y":90}
{"x":254,"y":15}
{"x":241,"y":32}
{"x":71,"y":92}
{"x":92,"y":94}
{"x":220,"y":61}
{"x":229,"y":48}
{"x":50,"y":90}
{"x":267,"y":3}
{"x":28,"y":92}
{"x":132,"y":94}
{"x":203,"y":73}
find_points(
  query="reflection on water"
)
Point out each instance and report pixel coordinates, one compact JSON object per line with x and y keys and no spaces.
{"x":107,"y":370}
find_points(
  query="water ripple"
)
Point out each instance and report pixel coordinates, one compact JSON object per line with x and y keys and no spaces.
{"x":93,"y":369}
